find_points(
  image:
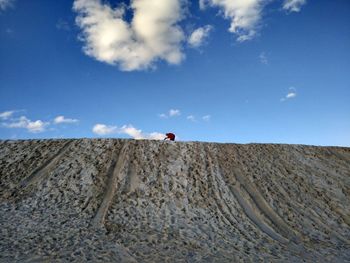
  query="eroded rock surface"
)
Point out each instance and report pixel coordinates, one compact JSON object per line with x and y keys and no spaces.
{"x":112,"y":200}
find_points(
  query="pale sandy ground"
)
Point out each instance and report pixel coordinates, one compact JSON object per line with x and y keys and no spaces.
{"x":105,"y":200}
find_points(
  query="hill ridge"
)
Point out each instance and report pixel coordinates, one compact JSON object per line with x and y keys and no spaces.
{"x":153,"y":201}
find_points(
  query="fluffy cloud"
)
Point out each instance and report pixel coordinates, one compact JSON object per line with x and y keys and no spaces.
{"x":153,"y":34}
{"x":6,"y":114}
{"x":199,"y":35}
{"x":138,"y":134}
{"x":244,"y":15}
{"x":62,"y":119}
{"x":102,"y":129}
{"x":293,"y":5}
{"x":156,"y":136}
{"x":290,"y":95}
{"x":4,"y":4}
{"x":132,"y":132}
{"x":136,"y":35}
{"x":32,"y":126}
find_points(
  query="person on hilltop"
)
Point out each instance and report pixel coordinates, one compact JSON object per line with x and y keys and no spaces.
{"x":170,"y":136}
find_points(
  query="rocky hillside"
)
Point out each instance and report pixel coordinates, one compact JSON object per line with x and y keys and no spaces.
{"x":112,"y":200}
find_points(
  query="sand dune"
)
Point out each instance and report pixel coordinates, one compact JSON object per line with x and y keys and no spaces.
{"x":113,"y":200}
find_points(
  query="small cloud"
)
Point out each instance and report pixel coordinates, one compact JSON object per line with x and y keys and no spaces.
{"x":137,"y":134}
{"x":191,"y":118}
{"x":156,"y":136}
{"x":163,"y":116}
{"x":171,"y":113}
{"x":102,"y":129}
{"x":198,"y":36}
{"x":263,"y":58}
{"x":36,"y":126}
{"x":5,"y":4}
{"x":63,"y":25}
{"x":131,"y":131}
{"x":290,"y":95}
{"x":6,"y":114}
{"x":206,"y":118}
{"x":293,"y":5}
{"x":62,"y":119}
{"x":31,"y":126}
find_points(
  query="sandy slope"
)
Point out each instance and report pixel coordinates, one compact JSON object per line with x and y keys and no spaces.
{"x":152,"y":201}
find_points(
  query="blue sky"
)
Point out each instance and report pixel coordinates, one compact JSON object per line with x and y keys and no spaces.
{"x":223,"y":71}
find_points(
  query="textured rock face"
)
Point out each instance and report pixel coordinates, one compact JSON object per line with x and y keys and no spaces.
{"x":154,"y":201}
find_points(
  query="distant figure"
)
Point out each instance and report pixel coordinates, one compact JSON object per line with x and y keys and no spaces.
{"x":170,"y":136}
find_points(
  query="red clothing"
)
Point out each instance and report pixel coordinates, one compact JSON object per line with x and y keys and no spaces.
{"x":170,"y":136}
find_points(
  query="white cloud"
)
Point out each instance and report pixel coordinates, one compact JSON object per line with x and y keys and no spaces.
{"x":174,"y":112}
{"x":4,"y":4}
{"x":245,"y":15}
{"x":293,"y":5}
{"x":263,"y":58}
{"x":153,"y":34}
{"x":199,"y":35}
{"x":206,"y":118}
{"x":138,"y":134}
{"x":102,"y":129}
{"x":290,"y":95}
{"x":36,"y":126}
{"x":62,"y":119}
{"x":163,"y":116}
{"x":6,"y":114}
{"x":156,"y":136}
{"x":132,"y":131}
{"x":32,"y":126}
{"x":171,"y":113}
{"x":191,"y":118}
